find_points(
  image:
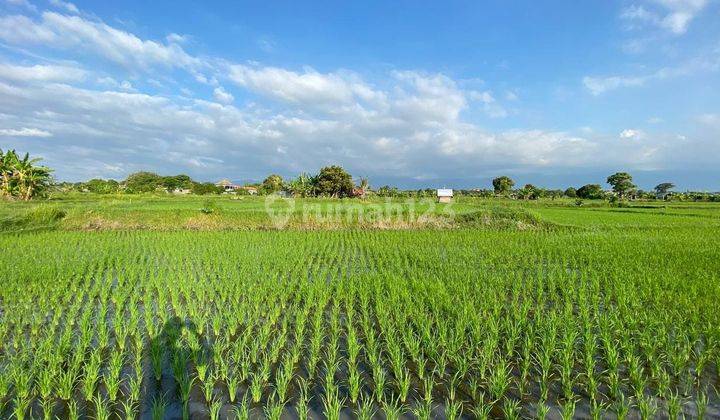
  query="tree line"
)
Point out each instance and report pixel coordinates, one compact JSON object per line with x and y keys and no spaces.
{"x":141,"y":182}
{"x":330,"y":181}
{"x":621,"y":183}
{"x":22,"y":178}
{"x":334,"y":181}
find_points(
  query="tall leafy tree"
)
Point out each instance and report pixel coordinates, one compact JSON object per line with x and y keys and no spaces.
{"x":621,"y":183}
{"x":590,"y":192}
{"x":271,"y":184}
{"x":503,"y":184}
{"x":177,"y":182}
{"x":140,"y":182}
{"x":334,"y":181}
{"x":664,"y":188}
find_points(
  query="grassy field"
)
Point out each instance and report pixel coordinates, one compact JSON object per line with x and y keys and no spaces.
{"x":159,"y":307}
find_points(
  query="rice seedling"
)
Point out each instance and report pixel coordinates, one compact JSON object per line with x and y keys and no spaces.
{"x":102,"y":408}
{"x":621,"y":406}
{"x":135,"y":386}
{"x":129,"y":409}
{"x":185,"y":384}
{"x":701,"y":404}
{"x":647,"y":406}
{"x":423,"y":410}
{"x":332,"y":403}
{"x":453,"y":409}
{"x":257,"y":386}
{"x":303,"y":400}
{"x":112,"y":378}
{"x":241,"y":411}
{"x":499,"y":380}
{"x":214,"y":410}
{"x":511,"y":409}
{"x":20,"y":406}
{"x":379,"y":378}
{"x":208,"y":387}
{"x":158,"y":407}
{"x":541,"y":410}
{"x":92,"y":375}
{"x":65,"y":384}
{"x":674,"y":406}
{"x":364,"y":409}
{"x":73,"y":410}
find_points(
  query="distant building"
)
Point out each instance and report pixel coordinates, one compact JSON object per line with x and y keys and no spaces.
{"x":359,"y":192}
{"x":250,"y":190}
{"x":226,"y":185}
{"x":181,"y":191}
{"x":444,"y":195}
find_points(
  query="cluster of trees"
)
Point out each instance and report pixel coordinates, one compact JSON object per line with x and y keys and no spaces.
{"x":21,"y":177}
{"x":143,"y":182}
{"x":620,"y":182}
{"x":331,"y":181}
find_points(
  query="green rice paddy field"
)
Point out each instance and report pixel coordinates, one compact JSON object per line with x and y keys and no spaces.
{"x":124,"y":309}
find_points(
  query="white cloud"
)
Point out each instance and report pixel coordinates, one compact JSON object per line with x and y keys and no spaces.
{"x":681,"y":12}
{"x":41,"y":73}
{"x":24,"y":132}
{"x":222,"y":96}
{"x":18,"y":29}
{"x":632,"y":134}
{"x":73,"y":32}
{"x":67,"y":6}
{"x":126,"y":86}
{"x":707,"y":62}
{"x":176,"y":38}
{"x":671,"y":15}
{"x":709,"y":119}
{"x":309,"y":87}
{"x":427,"y":98}
{"x":490,"y":106}
{"x":600,"y":85}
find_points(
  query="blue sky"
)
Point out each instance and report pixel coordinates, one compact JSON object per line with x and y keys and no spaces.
{"x":410,"y":93}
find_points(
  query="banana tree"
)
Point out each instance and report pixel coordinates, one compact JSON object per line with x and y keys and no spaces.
{"x":21,"y":177}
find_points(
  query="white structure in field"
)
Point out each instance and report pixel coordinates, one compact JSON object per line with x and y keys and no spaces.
{"x":444,"y":195}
